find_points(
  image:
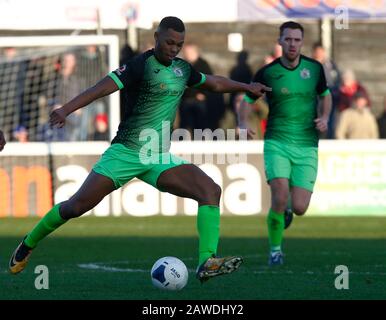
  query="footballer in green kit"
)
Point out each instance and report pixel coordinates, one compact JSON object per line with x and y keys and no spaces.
{"x":299,"y":107}
{"x":153,"y":83}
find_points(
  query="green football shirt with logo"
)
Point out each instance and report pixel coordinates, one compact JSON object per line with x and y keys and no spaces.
{"x":152,"y":94}
{"x":293,"y":100}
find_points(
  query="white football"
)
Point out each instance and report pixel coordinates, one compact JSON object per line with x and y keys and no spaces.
{"x":169,"y":273}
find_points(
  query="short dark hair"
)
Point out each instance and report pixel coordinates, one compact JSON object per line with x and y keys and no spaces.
{"x":317,"y":45}
{"x":171,"y":23}
{"x":291,"y":25}
{"x":359,"y":94}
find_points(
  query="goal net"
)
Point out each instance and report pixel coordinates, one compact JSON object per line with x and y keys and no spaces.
{"x":37,"y":75}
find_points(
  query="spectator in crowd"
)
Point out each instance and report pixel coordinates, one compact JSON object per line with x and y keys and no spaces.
{"x":382,"y":121}
{"x":36,"y":87}
{"x":12,"y":82}
{"x":101,"y":132}
{"x":260,"y":107}
{"x":241,"y":72}
{"x":348,"y":89}
{"x":357,"y":122}
{"x":2,"y":140}
{"x":126,"y":53}
{"x":333,"y":78}
{"x":146,"y":46}
{"x":44,"y":132}
{"x":200,"y":109}
{"x":69,"y":86}
{"x":193,"y":109}
{"x":20,"y":134}
{"x":275,"y":53}
{"x":93,"y":65}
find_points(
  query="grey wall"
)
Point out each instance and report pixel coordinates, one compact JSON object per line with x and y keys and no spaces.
{"x":362,"y":48}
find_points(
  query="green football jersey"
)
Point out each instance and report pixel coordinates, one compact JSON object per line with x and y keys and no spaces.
{"x":293,"y":100}
{"x":152,"y":92}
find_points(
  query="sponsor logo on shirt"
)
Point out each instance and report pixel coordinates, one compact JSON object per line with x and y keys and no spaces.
{"x":167,"y":91}
{"x":305,"y":73}
{"x":284,"y":90}
{"x":178,"y":72}
{"x":157,"y":70}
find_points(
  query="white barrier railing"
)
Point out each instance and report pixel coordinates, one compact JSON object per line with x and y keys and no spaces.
{"x":351,"y":178}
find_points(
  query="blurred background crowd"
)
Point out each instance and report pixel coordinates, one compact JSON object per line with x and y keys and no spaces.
{"x":34,"y":81}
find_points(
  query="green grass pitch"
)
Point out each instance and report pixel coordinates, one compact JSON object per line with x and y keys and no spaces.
{"x":111,"y":258}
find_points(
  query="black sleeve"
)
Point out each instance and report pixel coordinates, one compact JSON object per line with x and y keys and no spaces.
{"x":195,"y":78}
{"x":322,"y":82}
{"x":130,"y":73}
{"x":258,"y":77}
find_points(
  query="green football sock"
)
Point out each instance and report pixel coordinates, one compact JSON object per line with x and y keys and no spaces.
{"x":275,"y":223}
{"x":51,"y":221}
{"x":208,"y":226}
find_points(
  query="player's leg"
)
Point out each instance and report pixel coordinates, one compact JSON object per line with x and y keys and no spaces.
{"x":300,"y":199}
{"x":275,"y":218}
{"x":93,"y":190}
{"x":298,"y":206}
{"x":110,"y":172}
{"x":278,"y":172}
{"x":189,"y":181}
{"x":288,"y":213}
{"x":303,"y":177}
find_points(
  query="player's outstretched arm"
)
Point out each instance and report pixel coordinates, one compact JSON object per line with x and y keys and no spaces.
{"x":103,"y":88}
{"x":2,"y":140}
{"x":222,"y":84}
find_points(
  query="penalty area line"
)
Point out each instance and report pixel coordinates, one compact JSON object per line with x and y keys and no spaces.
{"x":104,"y":267}
{"x":98,"y":266}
